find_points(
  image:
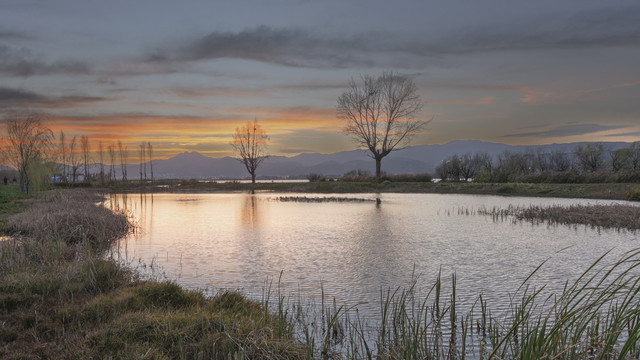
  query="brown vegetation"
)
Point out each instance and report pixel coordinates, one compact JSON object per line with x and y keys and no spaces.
{"x":611,"y":216}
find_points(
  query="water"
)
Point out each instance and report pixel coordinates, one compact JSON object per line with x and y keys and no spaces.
{"x":352,"y":250}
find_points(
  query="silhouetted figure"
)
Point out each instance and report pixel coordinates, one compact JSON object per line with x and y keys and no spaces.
{"x":6,"y":181}
{"x":14,"y":181}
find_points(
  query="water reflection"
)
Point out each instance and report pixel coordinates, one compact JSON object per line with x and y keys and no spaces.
{"x":353,"y":249}
{"x":249,"y":215}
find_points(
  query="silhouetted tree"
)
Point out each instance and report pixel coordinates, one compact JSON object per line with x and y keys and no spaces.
{"x":620,"y":159}
{"x":28,"y":142}
{"x":84,"y":143}
{"x":634,"y":149}
{"x":559,"y":161}
{"x":101,"y":157}
{"x":123,"y":159}
{"x":142,"y":153}
{"x":74,"y":159}
{"x":590,"y":156}
{"x":379,"y":114}
{"x":63,"y":154}
{"x":112,"y":157}
{"x":150,"y":153}
{"x":250,"y":144}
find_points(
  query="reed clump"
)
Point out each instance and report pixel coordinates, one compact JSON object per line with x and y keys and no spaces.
{"x":609,"y":216}
{"x":322,"y":199}
{"x":70,"y":216}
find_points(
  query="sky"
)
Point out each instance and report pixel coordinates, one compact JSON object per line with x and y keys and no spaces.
{"x":184,"y":74}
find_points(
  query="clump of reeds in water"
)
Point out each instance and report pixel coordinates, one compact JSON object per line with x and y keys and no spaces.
{"x":597,"y":316}
{"x":321,"y":199}
{"x":610,"y":216}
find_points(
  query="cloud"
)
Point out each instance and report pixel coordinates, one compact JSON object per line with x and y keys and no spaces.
{"x":21,"y":62}
{"x":568,"y":130}
{"x":302,"y":47}
{"x":485,"y":100}
{"x":225,"y":91}
{"x":635,"y":133}
{"x":16,"y":98}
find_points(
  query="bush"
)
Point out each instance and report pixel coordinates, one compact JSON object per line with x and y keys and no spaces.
{"x":313,"y":177}
{"x":633,"y":195}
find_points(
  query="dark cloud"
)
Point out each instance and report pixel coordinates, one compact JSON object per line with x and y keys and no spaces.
{"x":568,"y":130}
{"x":283,"y":46}
{"x":21,"y":62}
{"x":299,"y":47}
{"x":16,"y":98}
{"x":602,"y":28}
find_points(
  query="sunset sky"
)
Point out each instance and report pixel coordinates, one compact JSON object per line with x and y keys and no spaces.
{"x":184,"y":74}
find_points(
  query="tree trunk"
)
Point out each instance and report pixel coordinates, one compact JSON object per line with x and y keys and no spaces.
{"x":253,"y":177}
{"x":378,"y":172}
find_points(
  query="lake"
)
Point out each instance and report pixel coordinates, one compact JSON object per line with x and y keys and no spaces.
{"x":352,"y":250}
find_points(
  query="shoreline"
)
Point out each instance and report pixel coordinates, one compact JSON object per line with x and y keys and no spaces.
{"x":596,"y":191}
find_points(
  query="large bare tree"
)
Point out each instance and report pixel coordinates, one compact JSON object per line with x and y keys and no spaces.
{"x":379,"y":114}
{"x":29,"y":143}
{"x":250,"y":144}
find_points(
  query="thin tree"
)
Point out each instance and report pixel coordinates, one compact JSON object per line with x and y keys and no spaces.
{"x":74,"y":159}
{"x":84,"y":142}
{"x":28,"y":145}
{"x":250,"y":144}
{"x":101,"y":157}
{"x":141,"y":153}
{"x":63,"y":160}
{"x":112,"y":157}
{"x":150,"y":154}
{"x":123,"y":159}
{"x":380,"y":113}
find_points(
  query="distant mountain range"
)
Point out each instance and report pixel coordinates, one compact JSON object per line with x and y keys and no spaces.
{"x":410,"y":160}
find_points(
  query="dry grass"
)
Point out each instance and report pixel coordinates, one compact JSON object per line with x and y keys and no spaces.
{"x":613,"y":216}
{"x":70,"y":216}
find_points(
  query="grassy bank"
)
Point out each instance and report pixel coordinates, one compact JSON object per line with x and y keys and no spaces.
{"x":61,"y":297}
{"x":616,"y":191}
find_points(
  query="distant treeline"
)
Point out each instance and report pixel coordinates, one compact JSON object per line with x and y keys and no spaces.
{"x":590,"y":163}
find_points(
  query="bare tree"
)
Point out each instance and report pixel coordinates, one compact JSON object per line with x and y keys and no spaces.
{"x":123,"y":159}
{"x":635,"y":155}
{"x":380,"y":112}
{"x":142,"y":151}
{"x":112,"y":157}
{"x":63,"y":160}
{"x":560,"y":161}
{"x":590,"y":156}
{"x":74,"y":159}
{"x":101,"y":157}
{"x":150,"y":153}
{"x":84,"y":142}
{"x":250,"y":144}
{"x":28,"y":143}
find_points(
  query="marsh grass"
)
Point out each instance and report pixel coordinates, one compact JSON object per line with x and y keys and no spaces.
{"x":322,"y":199}
{"x":612,"y":216}
{"x":596,"y":316}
